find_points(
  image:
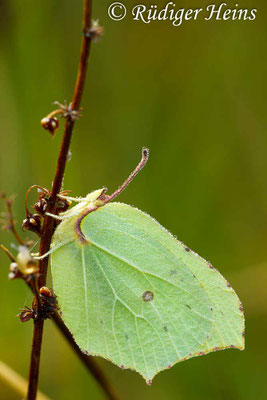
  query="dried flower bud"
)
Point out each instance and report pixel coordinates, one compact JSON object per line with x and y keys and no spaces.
{"x":50,"y":124}
{"x":44,"y":291}
{"x":14,"y":271}
{"x":47,"y":306}
{"x":95,"y":31}
{"x":66,"y":111}
{"x":25,"y":262}
{"x":48,"y":302}
{"x":32,"y":223}
{"x":41,"y":206}
{"x":26,"y":314}
{"x":11,"y":275}
{"x":13,"y":267}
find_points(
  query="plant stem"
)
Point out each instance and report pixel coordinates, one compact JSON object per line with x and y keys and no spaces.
{"x":35,"y":358}
{"x":20,"y":384}
{"x":88,"y":362}
{"x":56,"y":187}
{"x":65,"y":144}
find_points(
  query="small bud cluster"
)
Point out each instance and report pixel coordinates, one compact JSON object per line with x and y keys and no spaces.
{"x":67,"y":111}
{"x":41,"y":206}
{"x":47,"y":307}
{"x":14,"y":271}
{"x":50,"y":124}
{"x":26,"y":314}
{"x":95,"y":31}
{"x":33,"y":223}
{"x":48,"y":302}
{"x":26,"y":264}
{"x":45,"y":292}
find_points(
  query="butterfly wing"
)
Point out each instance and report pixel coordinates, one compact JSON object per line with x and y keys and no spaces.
{"x":138,"y":297}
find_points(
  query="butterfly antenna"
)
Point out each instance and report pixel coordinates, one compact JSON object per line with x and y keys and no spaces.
{"x":104,"y":199}
{"x":142,"y":163}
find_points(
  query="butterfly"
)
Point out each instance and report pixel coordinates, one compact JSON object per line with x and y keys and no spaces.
{"x":130,"y":292}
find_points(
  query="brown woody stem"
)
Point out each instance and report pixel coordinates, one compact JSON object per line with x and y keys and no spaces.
{"x":48,"y":226}
{"x":38,"y":328}
{"x":88,"y":362}
{"x":65,"y":144}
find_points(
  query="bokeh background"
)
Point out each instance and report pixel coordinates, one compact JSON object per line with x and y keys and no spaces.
{"x":196,"y":96}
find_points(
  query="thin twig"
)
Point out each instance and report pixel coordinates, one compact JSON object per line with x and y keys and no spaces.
{"x":65,"y":144}
{"x":11,"y":222}
{"x":8,"y":253}
{"x":56,"y":187}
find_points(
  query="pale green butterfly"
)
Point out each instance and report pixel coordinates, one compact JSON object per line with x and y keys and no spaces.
{"x":133,"y":294}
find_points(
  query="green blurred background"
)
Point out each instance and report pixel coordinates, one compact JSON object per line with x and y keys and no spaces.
{"x":196,"y":96}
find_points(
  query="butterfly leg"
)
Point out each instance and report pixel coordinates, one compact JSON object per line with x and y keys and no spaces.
{"x":75,"y":199}
{"x":58,"y":217}
{"x":52,"y":249}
